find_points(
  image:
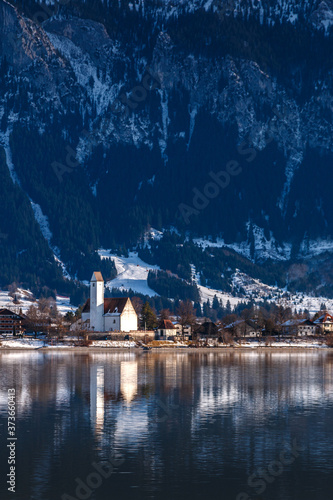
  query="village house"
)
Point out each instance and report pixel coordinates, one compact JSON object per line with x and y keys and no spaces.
{"x":182,"y":329}
{"x":206,"y":330}
{"x":307,"y":328}
{"x":243,"y":328}
{"x":299,"y":328}
{"x":10,"y":323}
{"x":290,"y":328}
{"x":108,"y":314}
{"x":324,"y":323}
{"x":165,"y":330}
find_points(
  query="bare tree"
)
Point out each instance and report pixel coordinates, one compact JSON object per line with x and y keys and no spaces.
{"x":137,"y":304}
{"x":230,"y":321}
{"x":186,"y":314}
{"x":225,"y":336}
{"x":33,"y":319}
{"x":164,"y":314}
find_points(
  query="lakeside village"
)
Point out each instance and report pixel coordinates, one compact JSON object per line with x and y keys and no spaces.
{"x":125,"y":322}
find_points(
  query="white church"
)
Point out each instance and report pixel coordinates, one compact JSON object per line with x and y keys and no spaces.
{"x":108,"y":314}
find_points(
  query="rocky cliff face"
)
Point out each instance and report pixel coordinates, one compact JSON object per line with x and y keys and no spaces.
{"x":144,"y":101}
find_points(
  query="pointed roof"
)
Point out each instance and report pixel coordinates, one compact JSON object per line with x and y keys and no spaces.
{"x":112,"y":305}
{"x":308,"y":322}
{"x":325,"y":318}
{"x":97,"y":276}
{"x":166,"y":324}
{"x":7,"y":312}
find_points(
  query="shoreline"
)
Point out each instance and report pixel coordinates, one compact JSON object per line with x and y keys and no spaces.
{"x":85,"y":350}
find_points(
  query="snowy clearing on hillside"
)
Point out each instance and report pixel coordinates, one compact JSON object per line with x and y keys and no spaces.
{"x":264,"y":249}
{"x":153,"y":234}
{"x":64,"y":305}
{"x":132,"y":273}
{"x":207,"y":293}
{"x":257,"y":291}
{"x":25,"y":299}
{"x":313,"y":248}
{"x":269,"y":249}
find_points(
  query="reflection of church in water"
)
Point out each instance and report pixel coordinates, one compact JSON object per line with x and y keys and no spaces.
{"x":125,"y":383}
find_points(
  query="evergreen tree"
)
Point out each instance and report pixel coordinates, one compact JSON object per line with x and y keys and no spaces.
{"x":216,"y":304}
{"x":148,"y":317}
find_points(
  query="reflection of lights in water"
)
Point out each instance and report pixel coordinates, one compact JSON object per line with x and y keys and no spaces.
{"x":128,"y":379}
{"x":97,"y":397}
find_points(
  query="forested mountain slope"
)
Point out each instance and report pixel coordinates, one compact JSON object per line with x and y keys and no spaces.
{"x":118,"y":116}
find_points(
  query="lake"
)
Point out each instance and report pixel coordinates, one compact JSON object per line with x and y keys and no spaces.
{"x":180,"y":425}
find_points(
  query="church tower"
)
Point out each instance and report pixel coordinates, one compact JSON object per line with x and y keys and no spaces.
{"x":97,"y":302}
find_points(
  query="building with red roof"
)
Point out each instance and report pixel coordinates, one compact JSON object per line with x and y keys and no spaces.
{"x":108,"y":314}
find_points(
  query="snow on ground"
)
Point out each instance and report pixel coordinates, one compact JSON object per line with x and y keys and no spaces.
{"x":113,"y":343}
{"x":64,"y":305}
{"x":208,"y":293}
{"x":269,"y":249}
{"x":264,"y":249}
{"x":241,"y":248}
{"x":155,"y":234}
{"x":302,"y":301}
{"x":257,"y":291}
{"x":25,"y":300}
{"x":22,"y":343}
{"x":152,"y":234}
{"x":283,"y":343}
{"x":44,"y":225}
{"x":37,"y":344}
{"x":4,"y":142}
{"x":313,"y":248}
{"x":132,"y":273}
{"x":42,"y":220}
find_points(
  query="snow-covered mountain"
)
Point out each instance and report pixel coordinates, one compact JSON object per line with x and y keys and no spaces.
{"x":213,"y":117}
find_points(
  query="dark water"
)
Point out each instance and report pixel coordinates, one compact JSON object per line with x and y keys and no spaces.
{"x":176,"y":426}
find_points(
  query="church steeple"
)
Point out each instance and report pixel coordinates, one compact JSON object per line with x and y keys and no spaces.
{"x":97,"y":302}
